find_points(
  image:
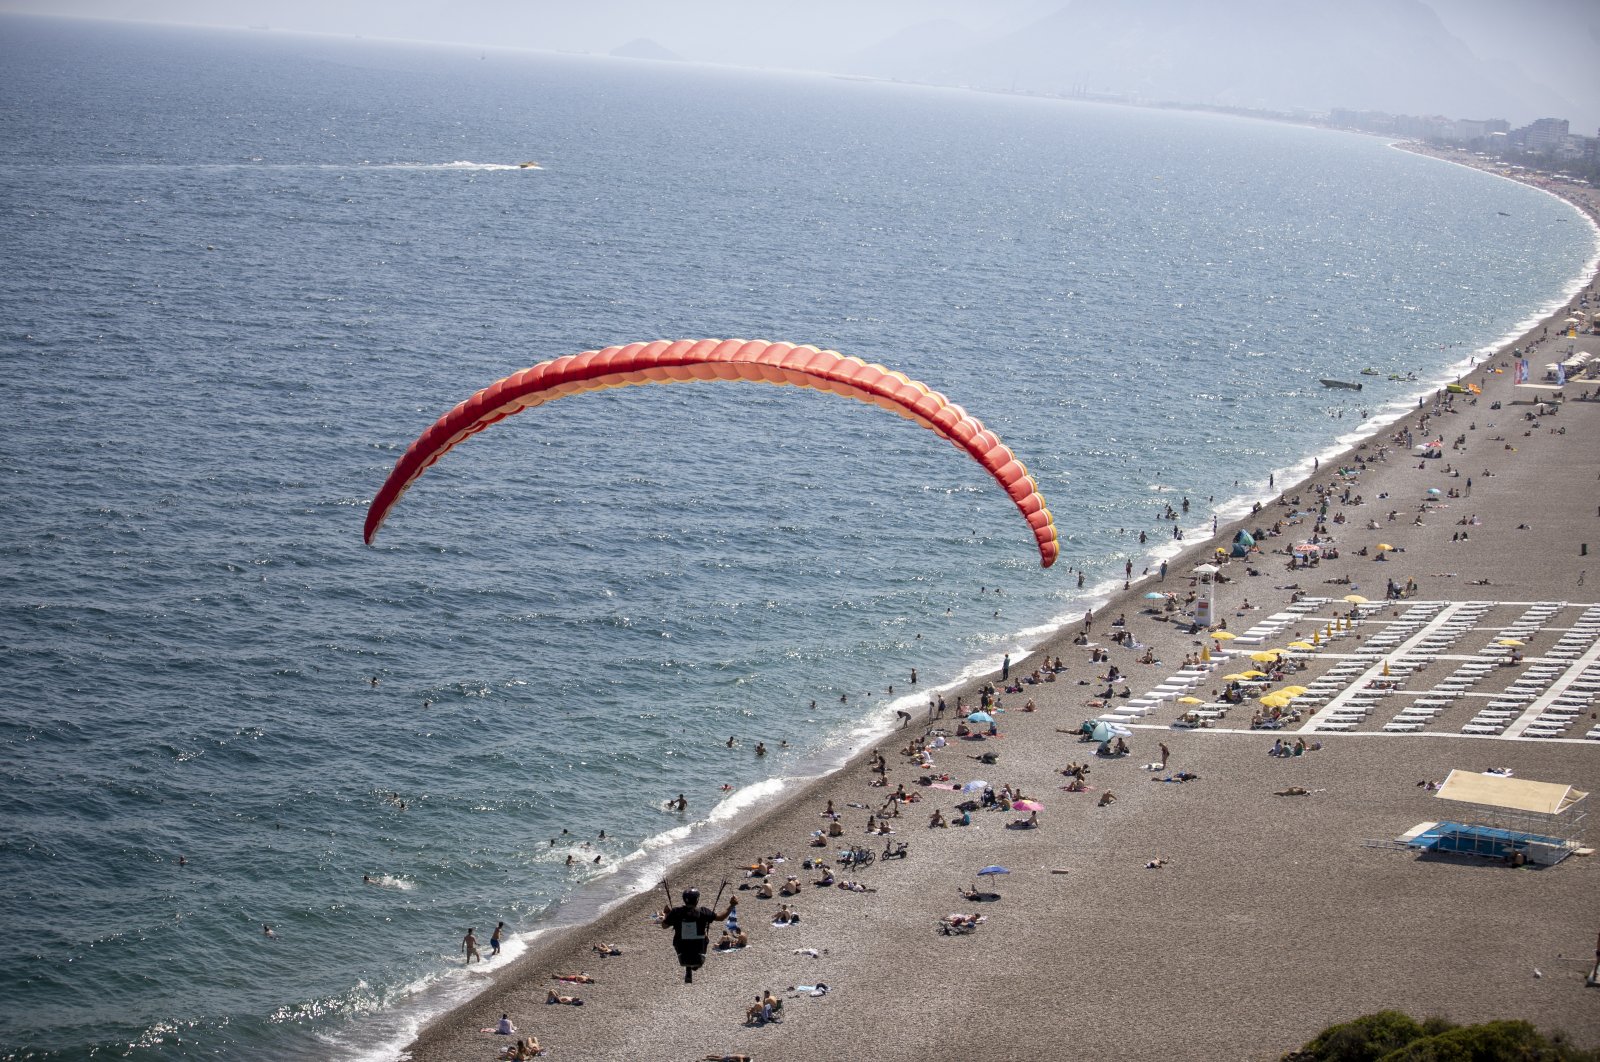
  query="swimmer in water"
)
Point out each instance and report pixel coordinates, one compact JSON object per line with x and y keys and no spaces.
{"x":266,"y":930}
{"x":761,"y":748}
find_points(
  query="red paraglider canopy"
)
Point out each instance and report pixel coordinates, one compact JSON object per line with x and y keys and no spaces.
{"x":756,"y":361}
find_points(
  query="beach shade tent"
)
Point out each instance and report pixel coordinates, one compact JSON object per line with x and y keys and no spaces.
{"x":1243,"y":542}
{"x":980,"y":717}
{"x":1104,"y":731}
{"x":1513,"y":815}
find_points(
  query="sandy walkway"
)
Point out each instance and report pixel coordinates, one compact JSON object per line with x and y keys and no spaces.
{"x":1271,"y":918}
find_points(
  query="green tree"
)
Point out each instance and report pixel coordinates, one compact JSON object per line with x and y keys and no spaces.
{"x":1495,"y":1041}
{"x":1366,"y":1039}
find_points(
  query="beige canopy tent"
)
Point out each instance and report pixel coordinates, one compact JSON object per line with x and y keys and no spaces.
{"x":1511,"y":794}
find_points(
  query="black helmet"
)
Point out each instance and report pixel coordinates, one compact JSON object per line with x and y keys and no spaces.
{"x":691,"y":896}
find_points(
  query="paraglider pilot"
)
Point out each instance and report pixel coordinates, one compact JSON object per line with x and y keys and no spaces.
{"x":690,"y":924}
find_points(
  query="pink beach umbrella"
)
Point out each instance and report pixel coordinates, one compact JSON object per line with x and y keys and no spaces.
{"x":1027,"y":805}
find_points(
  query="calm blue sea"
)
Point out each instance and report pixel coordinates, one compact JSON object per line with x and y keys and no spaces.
{"x":242,"y":271}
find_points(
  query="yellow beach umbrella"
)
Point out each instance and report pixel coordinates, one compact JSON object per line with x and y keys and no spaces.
{"x":1238,"y":676}
{"x":1301,"y":645}
{"x":1384,"y":546}
{"x":1190,"y":700}
{"x":1224,"y":635}
{"x":1386,"y":668}
{"x":1357,"y":599}
{"x":1205,"y":653}
{"x":1266,"y":656}
{"x":1254,"y":674}
{"x":1276,"y":700}
{"x":1316,"y":637}
{"x":1295,"y":691}
{"x":1511,"y":642}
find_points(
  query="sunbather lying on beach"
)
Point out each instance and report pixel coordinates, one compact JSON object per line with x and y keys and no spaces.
{"x":1294,"y":790}
{"x":957,"y":920}
{"x":522,"y":1050}
{"x":727,"y":1058}
{"x":577,"y":978}
{"x":571,"y":1001}
{"x":855,"y":886}
{"x":607,"y":949}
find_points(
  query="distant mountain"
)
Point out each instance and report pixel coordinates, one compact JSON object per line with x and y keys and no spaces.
{"x":1391,"y":55}
{"x":926,"y":46}
{"x":645,"y":48}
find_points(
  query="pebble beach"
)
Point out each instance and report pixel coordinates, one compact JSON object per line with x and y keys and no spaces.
{"x":1266,"y":918}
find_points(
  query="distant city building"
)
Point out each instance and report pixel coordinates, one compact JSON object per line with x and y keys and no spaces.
{"x":1543,"y":136}
{"x":1466,"y":130}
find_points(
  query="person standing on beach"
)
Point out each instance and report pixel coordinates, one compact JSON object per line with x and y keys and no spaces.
{"x":1164,"y":754}
{"x":690,"y":923}
{"x":469,"y":944}
{"x":500,"y":927}
{"x":1005,"y":668}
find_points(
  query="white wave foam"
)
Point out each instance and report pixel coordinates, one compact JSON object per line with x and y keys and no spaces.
{"x":741,"y":799}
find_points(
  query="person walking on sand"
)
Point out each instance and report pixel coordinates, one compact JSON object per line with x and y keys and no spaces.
{"x":1164,"y":754}
{"x":469,"y":944}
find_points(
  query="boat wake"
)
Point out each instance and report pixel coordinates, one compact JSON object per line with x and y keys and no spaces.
{"x":460,"y":164}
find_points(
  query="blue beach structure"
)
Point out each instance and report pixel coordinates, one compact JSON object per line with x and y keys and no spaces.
{"x":1518,"y":821}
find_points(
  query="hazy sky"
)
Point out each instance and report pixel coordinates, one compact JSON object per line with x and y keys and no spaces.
{"x":1536,"y":55}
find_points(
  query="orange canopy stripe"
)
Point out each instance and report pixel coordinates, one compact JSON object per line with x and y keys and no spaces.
{"x":737,"y":360}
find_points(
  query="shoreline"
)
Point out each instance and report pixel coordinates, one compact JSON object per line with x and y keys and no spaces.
{"x":646,"y":967}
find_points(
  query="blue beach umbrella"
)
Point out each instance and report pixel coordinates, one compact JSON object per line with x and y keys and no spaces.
{"x":980,"y":717}
{"x":989,"y":870}
{"x":977,"y":785}
{"x":1153,"y":596}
